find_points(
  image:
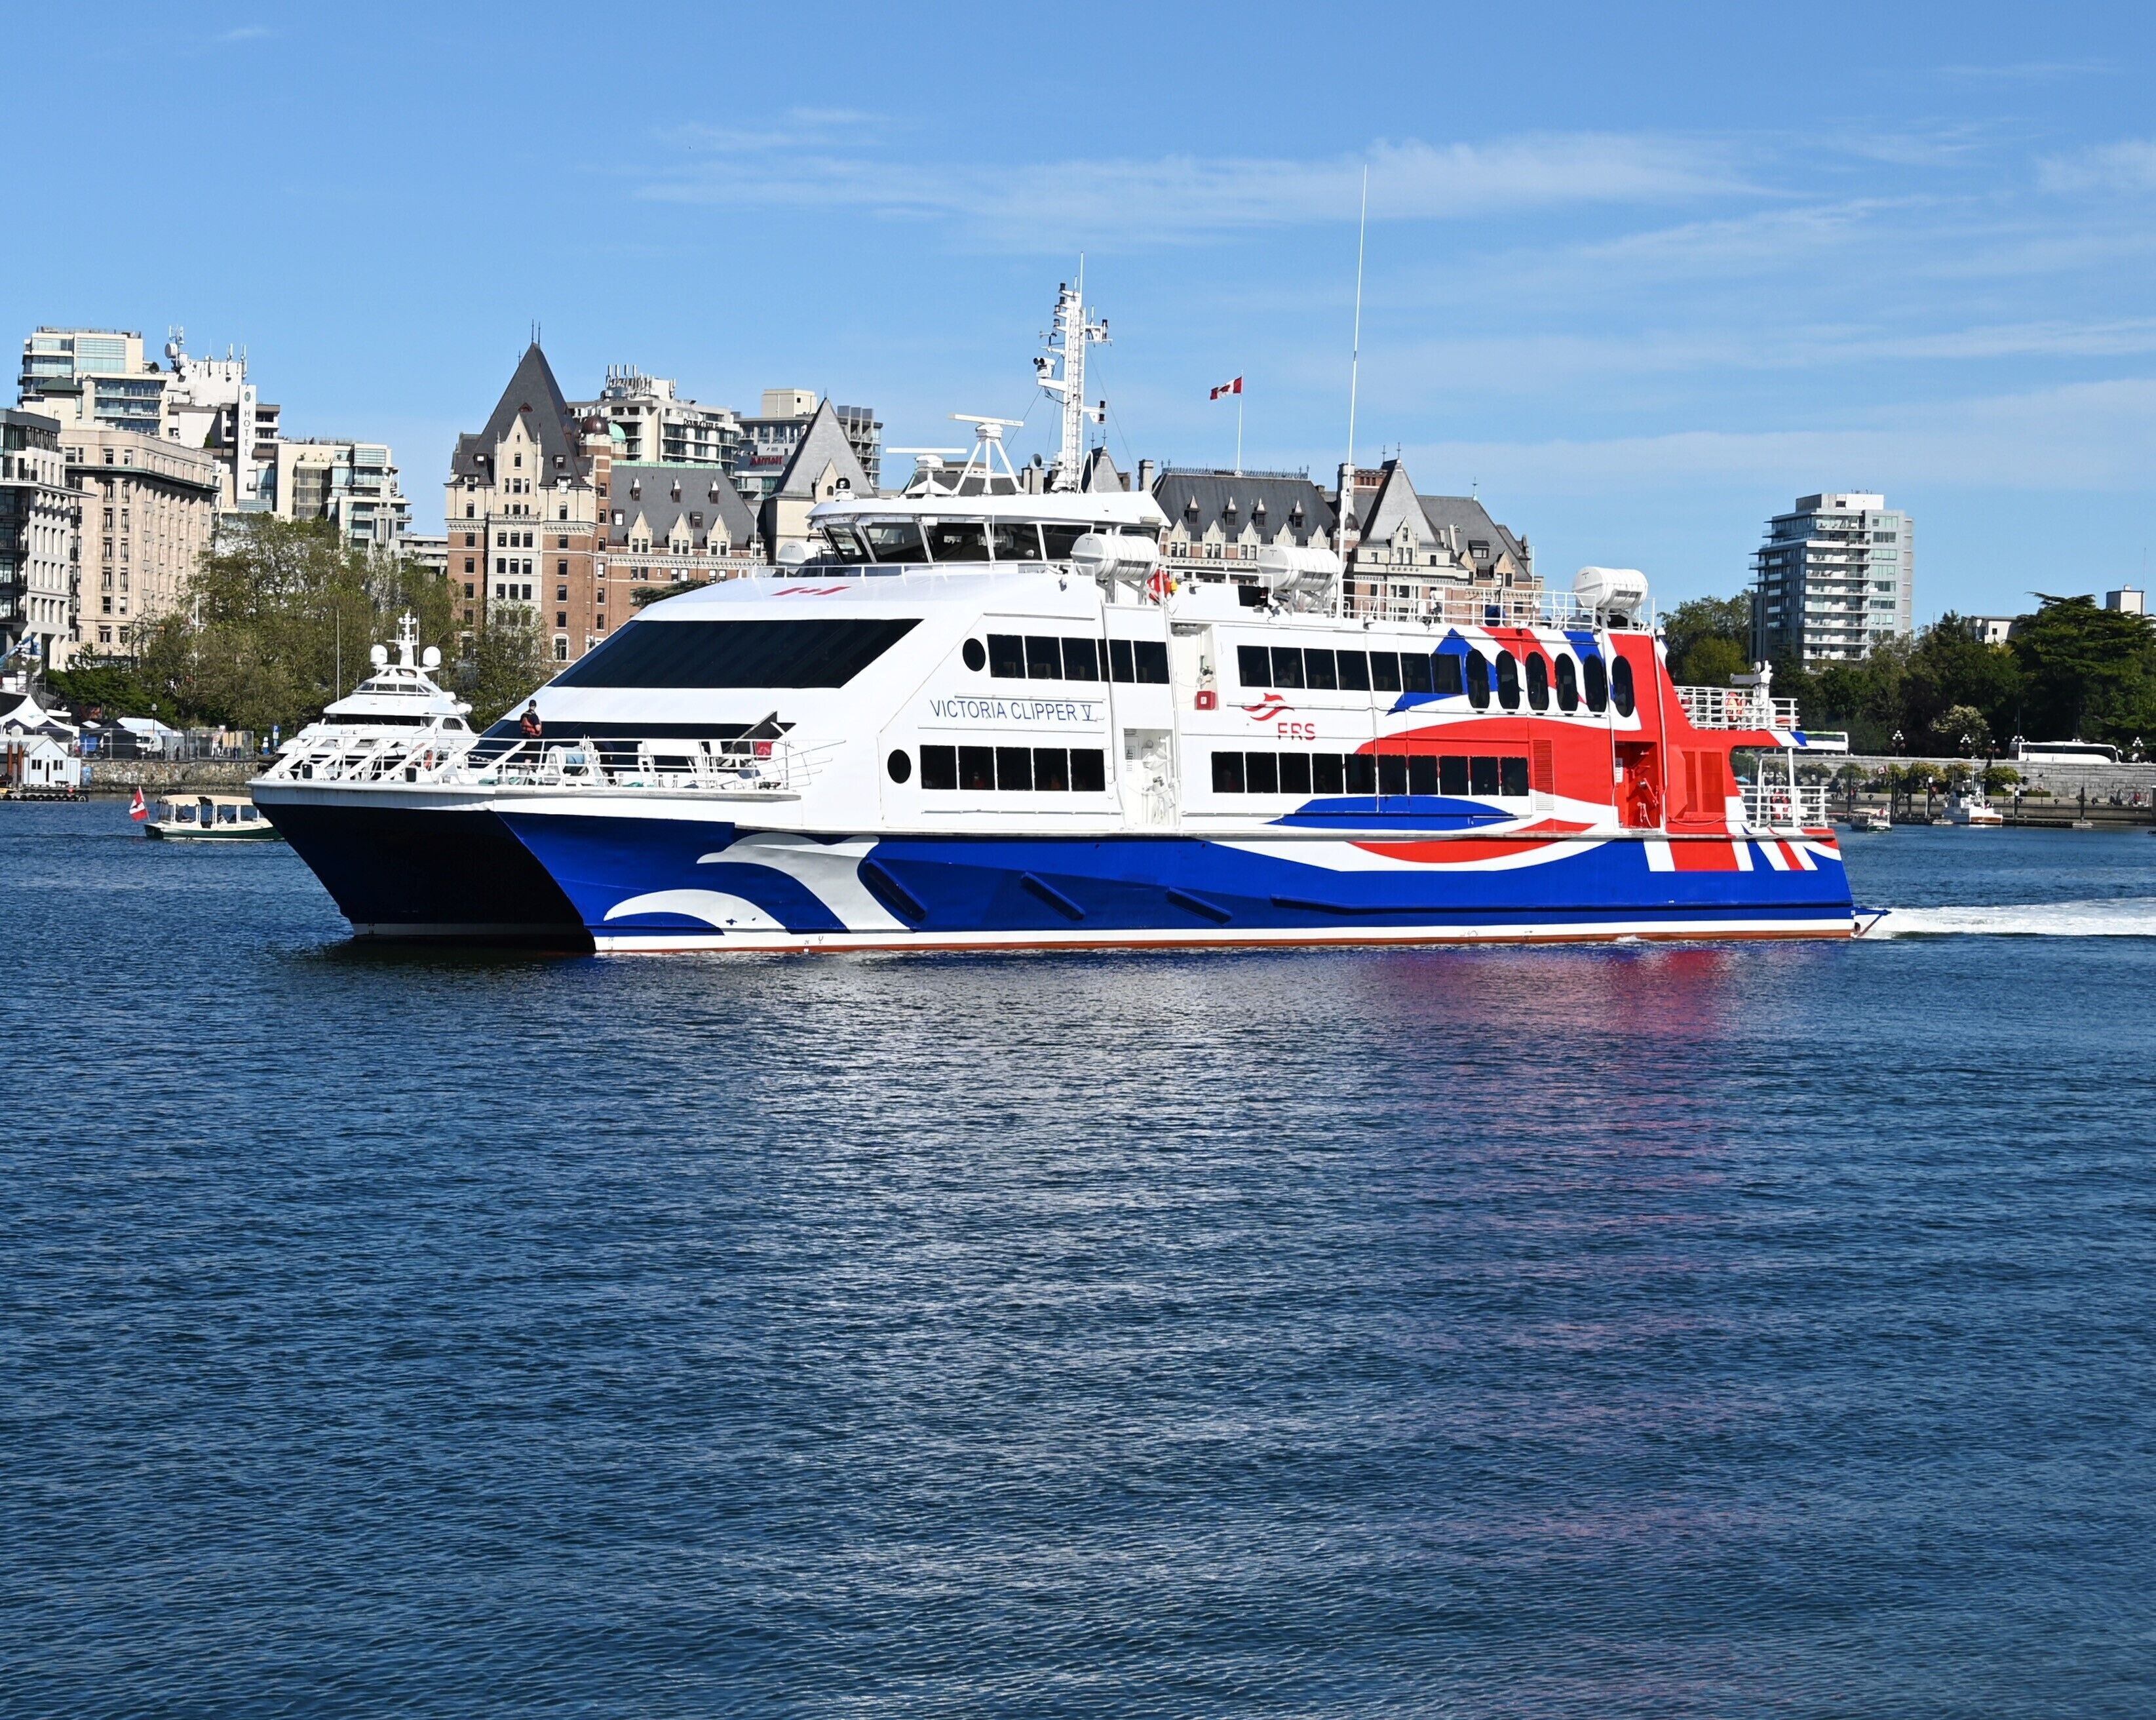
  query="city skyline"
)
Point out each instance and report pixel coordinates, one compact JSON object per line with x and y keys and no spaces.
{"x":1614,"y":293}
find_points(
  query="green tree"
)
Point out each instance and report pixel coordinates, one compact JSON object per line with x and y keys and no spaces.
{"x":1708,"y":640}
{"x":276,"y":622}
{"x":508,"y":663}
{"x":1961,"y":727}
{"x":2090,"y":673}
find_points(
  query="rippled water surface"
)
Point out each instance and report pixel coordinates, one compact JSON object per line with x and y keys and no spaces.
{"x":1642,"y":1331}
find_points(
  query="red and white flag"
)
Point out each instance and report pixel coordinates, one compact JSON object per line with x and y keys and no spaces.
{"x":1234,"y":388}
{"x":137,"y":811}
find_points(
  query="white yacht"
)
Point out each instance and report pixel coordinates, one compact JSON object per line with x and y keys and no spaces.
{"x":397,"y":699}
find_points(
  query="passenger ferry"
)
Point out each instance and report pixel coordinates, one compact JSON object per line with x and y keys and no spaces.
{"x":209,"y":818}
{"x":984,"y":717}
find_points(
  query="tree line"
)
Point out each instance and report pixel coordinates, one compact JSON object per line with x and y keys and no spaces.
{"x":276,"y":623}
{"x":2070,"y":672}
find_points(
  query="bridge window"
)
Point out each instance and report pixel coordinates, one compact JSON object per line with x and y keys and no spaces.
{"x":1620,"y":686}
{"x":889,"y":540}
{"x":1567,"y":686}
{"x":1060,"y":540}
{"x":1508,"y":680}
{"x":1537,"y":681}
{"x":1044,"y":658}
{"x":1597,"y":673}
{"x":1015,"y":542}
{"x":956,"y":541}
{"x":821,"y":653}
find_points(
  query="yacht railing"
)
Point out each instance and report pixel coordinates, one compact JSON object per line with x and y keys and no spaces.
{"x":1786,"y":806}
{"x":1735,"y":708}
{"x":613,"y":763}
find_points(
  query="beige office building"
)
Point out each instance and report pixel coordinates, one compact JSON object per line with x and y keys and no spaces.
{"x":148,"y":512}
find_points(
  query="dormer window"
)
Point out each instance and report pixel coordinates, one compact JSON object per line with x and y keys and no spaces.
{"x":1295,"y":515}
{"x":1190,"y":506}
{"x":519,"y":462}
{"x":677,"y":490}
{"x":636,"y":489}
{"x":1258,"y":509}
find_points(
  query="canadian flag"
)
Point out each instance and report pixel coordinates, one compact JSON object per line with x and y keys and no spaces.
{"x":1234,"y":388}
{"x":136,"y":810}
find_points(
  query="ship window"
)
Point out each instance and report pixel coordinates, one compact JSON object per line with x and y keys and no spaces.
{"x":1295,"y":774}
{"x":1015,"y":542}
{"x":1227,"y":772}
{"x":1415,"y":672}
{"x":976,"y":768}
{"x":1537,"y":681}
{"x":1006,"y":656}
{"x":1152,"y":656}
{"x":1361,"y":771}
{"x":1089,"y":771}
{"x":1515,"y":776}
{"x":1262,"y":770}
{"x":1354,"y":672}
{"x":846,"y":542}
{"x":1051,"y":770}
{"x":899,"y":764}
{"x":1058,"y":539}
{"x":956,"y":541}
{"x":1325,"y":778}
{"x":939,"y":766}
{"x":1422,"y":774}
{"x":1450,"y":683}
{"x":1385,"y":671}
{"x":1478,"y":681}
{"x":1508,"y":680}
{"x":1452,"y":774}
{"x":1318,"y":670}
{"x":1392,"y":773}
{"x":1119,"y":659}
{"x":1620,"y":686}
{"x":1482,"y":775}
{"x":1287,"y":666}
{"x":1598,"y":684}
{"x":1015,"y":768}
{"x":1254,"y":665}
{"x":1044,"y":658}
{"x":889,"y":540}
{"x":1081,"y":660}
{"x":821,"y":653}
{"x":975,"y":655}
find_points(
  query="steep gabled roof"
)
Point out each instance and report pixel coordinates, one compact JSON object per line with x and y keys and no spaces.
{"x":1470,"y":521}
{"x":1198,"y":500}
{"x":534,"y":397}
{"x":649,"y":492}
{"x":1394,"y":503}
{"x":1101,"y":474}
{"x":822,"y":445}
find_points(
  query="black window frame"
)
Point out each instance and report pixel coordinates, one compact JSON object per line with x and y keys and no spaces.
{"x":1415,"y":675}
{"x":1483,"y":774}
{"x":1508,"y":681}
{"x":1326,"y":776}
{"x":1261,"y":773}
{"x":1354,"y":668}
{"x":1119,"y":661}
{"x":1227,"y":773}
{"x":1596,"y":673}
{"x":1452,"y":775}
{"x":1087,"y":651}
{"x":939,"y":769}
{"x":1320,"y":669}
{"x":1422,"y":774}
{"x":1254,"y":666}
{"x":1621,"y":690}
{"x":1478,"y":681}
{"x":1044,"y":656}
{"x":1089,"y":771}
{"x":1359,"y":770}
{"x":825,"y":651}
{"x":1384,"y":671}
{"x":1007,"y":656}
{"x":1287,"y":666}
{"x":1295,"y":774}
{"x":1513,"y":776}
{"x":1013,"y":763}
{"x":1451,"y":679}
{"x":1051,"y":770}
{"x":977,"y":770}
{"x":1538,"y":682}
{"x":1567,"y":683}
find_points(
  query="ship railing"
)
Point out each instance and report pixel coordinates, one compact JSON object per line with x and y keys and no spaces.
{"x":1460,"y":605}
{"x":1735,"y":708}
{"x":613,"y":763}
{"x":1786,"y":806}
{"x":369,"y":758}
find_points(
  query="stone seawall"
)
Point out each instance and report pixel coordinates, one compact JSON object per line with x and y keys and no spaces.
{"x":153,"y":776}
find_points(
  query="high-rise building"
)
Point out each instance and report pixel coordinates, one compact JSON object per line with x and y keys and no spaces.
{"x":210,"y":404}
{"x":93,"y":377}
{"x":658,"y":426}
{"x":522,"y":510}
{"x":40,"y":514}
{"x":770,"y":438}
{"x":1836,"y":577}
{"x":149,"y":511}
{"x":353,"y":484}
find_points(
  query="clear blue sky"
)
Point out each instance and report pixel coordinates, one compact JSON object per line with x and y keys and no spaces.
{"x":1643,"y":273}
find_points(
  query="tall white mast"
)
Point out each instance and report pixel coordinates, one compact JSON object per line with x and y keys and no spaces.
{"x":1072,"y":334}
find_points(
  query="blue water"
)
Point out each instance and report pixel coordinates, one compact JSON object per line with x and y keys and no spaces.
{"x":1645,"y":1331}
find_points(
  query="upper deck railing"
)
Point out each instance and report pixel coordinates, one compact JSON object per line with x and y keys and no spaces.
{"x":1786,"y":806}
{"x":1735,"y":708}
{"x":756,"y":769}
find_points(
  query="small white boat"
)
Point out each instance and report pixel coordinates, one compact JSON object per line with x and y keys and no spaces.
{"x":1970,"y":806}
{"x":1868,"y":821}
{"x":209,"y":818}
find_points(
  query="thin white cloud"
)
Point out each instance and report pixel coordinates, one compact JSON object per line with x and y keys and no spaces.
{"x":1042,"y":205}
{"x":2129,"y":165}
{"x":247,"y":33}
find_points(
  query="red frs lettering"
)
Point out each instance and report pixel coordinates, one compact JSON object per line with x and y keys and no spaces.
{"x":1296,"y":730}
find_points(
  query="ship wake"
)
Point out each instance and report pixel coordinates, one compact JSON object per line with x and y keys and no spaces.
{"x":2127,"y":917}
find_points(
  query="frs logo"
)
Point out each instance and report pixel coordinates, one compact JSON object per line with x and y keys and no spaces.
{"x":1267,"y":708}
{"x":808,"y":591}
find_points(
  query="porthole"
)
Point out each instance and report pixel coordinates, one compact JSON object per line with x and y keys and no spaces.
{"x":900,"y":764}
{"x":976,"y":655}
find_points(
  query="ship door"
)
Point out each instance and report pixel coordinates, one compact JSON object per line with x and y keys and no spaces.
{"x":1640,"y":800}
{"x":1148,"y":779}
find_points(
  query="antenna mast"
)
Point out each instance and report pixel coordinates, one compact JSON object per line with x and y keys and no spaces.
{"x":1073,"y":333}
{"x":1355,"y":354}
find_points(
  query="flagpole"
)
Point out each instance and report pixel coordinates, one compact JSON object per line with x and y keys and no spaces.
{"x":1239,"y":434}
{"x":1355,"y":354}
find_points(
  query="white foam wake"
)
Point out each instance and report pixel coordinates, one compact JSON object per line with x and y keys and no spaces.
{"x":2130,"y":916}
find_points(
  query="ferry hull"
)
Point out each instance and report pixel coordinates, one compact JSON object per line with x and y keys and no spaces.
{"x":656,"y":885}
{"x":418,"y":871}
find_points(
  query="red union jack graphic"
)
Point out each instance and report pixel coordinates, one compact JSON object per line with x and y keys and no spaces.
{"x":1267,"y":708}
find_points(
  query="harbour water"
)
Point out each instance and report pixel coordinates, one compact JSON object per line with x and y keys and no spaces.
{"x":1635,"y":1331}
